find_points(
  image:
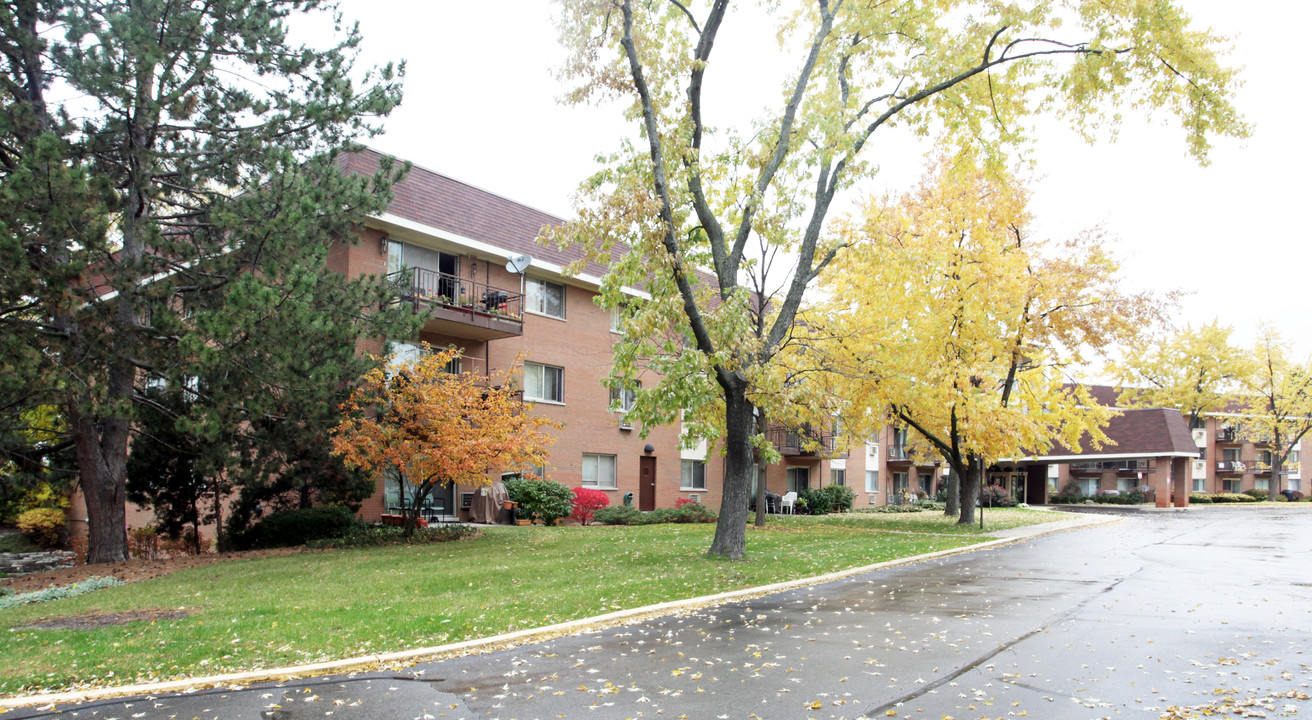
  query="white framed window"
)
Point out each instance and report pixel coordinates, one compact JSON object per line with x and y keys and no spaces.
{"x":1261,"y":483}
{"x":544,"y":383}
{"x":837,"y":476}
{"x":622,"y":399}
{"x":1125,"y":485}
{"x":1230,"y":485}
{"x":1200,"y":485}
{"x":872,"y":481}
{"x":1088,"y":486}
{"x":618,"y":315}
{"x":693,"y":475}
{"x":872,"y":453}
{"x":599,"y":471}
{"x":544,"y":298}
{"x":1296,"y":484}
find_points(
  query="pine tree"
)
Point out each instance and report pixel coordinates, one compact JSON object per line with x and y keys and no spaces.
{"x":190,"y":204}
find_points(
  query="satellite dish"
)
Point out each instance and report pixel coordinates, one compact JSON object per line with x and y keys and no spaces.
{"x":519,"y":263}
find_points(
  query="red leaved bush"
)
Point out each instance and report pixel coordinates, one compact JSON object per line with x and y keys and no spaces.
{"x":587,"y":501}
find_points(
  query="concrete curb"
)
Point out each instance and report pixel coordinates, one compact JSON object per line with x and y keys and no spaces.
{"x":521,"y":637}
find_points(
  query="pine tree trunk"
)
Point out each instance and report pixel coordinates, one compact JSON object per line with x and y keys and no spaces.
{"x":731,"y":530}
{"x":102,"y":451}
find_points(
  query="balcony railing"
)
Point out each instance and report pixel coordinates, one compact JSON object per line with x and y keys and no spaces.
{"x":1227,"y":435}
{"x":486,"y":311}
{"x":1230,"y":466}
{"x":801,"y":441}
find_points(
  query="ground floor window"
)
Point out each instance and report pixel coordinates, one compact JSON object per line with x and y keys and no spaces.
{"x":1230,"y":485}
{"x":599,"y":471}
{"x":799,"y":479}
{"x":693,"y":475}
{"x":1262,"y":483}
{"x":1125,"y":485}
{"x":900,"y":482}
{"x":872,"y":481}
{"x":1200,"y":485}
{"x":1295,"y":485}
{"x":1088,"y":486}
{"x":927,"y":483}
{"x":837,"y":477}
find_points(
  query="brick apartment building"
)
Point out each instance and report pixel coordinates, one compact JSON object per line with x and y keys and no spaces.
{"x":456,"y":240}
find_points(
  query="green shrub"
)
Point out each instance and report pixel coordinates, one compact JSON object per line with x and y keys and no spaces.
{"x":841,"y":498}
{"x":932,"y":505}
{"x":42,"y":526}
{"x":1067,"y":499}
{"x":1200,"y":499}
{"x":287,"y":528}
{"x":1280,"y":498}
{"x":1232,"y":498}
{"x":1257,"y":494}
{"x":815,"y":501}
{"x":543,"y":500}
{"x":688,"y":513}
{"x":366,"y":535}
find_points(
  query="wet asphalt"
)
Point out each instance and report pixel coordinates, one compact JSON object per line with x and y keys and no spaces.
{"x":1208,"y":609}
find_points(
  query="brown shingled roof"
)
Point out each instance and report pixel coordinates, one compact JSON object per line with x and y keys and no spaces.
{"x":1146,"y":431}
{"x":442,"y":202}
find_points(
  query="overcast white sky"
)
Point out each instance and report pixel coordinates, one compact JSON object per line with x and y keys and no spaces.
{"x":480,"y":106}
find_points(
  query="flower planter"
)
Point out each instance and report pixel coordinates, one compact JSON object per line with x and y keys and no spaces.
{"x":523,"y":521}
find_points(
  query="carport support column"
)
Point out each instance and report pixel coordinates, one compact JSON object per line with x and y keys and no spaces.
{"x":1181,"y":479}
{"x":1161,"y":483}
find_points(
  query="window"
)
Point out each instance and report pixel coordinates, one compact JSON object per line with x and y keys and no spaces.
{"x":1125,"y":485}
{"x":622,"y":399}
{"x":837,"y":477}
{"x":544,"y":383}
{"x":1296,"y":484}
{"x":900,"y":481}
{"x":1088,"y":486}
{"x":544,"y":298}
{"x":599,"y":471}
{"x":693,"y":476}
{"x":1230,"y":485}
{"x":1230,"y":455}
{"x":1200,"y":485}
{"x":872,"y":481}
{"x":872,"y":453}
{"x":899,"y":449}
{"x":1262,"y":483}
{"x":618,"y":315}
{"x":799,"y":479}
{"x":1264,"y":457}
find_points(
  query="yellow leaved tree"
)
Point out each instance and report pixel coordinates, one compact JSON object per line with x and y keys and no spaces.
{"x":1278,"y":414}
{"x":725,"y":224}
{"x":1196,"y":371}
{"x":431,"y":428}
{"x":948,"y":318}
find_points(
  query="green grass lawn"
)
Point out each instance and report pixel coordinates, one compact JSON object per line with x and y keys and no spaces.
{"x":325,"y":605}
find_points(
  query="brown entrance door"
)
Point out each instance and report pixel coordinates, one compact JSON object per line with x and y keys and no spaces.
{"x":646,"y":483}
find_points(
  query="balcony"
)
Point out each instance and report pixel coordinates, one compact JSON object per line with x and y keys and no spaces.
{"x":1230,"y":466}
{"x":898,"y":455}
{"x":459,"y":307}
{"x":801,"y":442}
{"x":1227,"y":435}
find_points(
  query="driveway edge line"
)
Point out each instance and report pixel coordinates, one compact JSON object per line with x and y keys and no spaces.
{"x":366,"y":663}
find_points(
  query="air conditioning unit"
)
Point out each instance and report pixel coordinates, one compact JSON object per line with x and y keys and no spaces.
{"x":1200,"y":469}
{"x":1200,"y":437}
{"x":871,"y":499}
{"x":695,"y":498}
{"x":626,"y":424}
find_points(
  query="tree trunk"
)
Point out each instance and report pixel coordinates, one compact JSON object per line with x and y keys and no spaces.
{"x":731,"y":530}
{"x":970,"y":490}
{"x":760,"y":486}
{"x":101,"y":459}
{"x":954,"y":497}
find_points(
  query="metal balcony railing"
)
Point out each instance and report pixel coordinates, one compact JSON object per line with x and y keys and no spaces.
{"x":423,"y":286}
{"x":801,"y":441}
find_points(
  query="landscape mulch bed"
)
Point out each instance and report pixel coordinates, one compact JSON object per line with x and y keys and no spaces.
{"x":133,"y":570}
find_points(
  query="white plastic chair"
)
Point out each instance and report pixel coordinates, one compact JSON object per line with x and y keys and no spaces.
{"x":788,"y":502}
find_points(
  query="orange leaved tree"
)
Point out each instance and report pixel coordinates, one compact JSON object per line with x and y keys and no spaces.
{"x":429,"y":427}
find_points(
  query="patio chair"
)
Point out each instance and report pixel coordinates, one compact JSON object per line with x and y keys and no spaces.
{"x":788,"y":503}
